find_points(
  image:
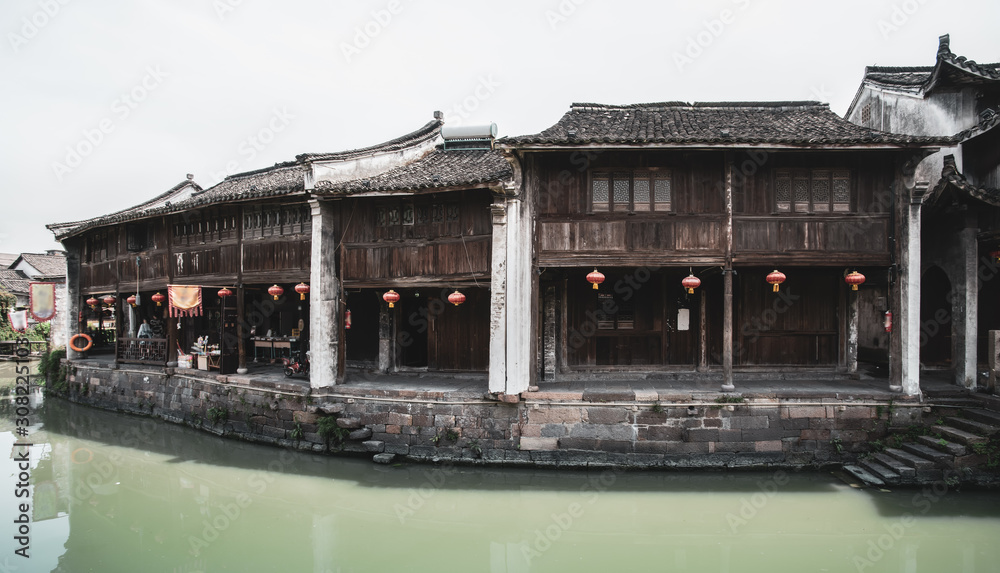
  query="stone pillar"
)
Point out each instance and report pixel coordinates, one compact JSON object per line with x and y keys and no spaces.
{"x":498,"y":298}
{"x":908,"y":380}
{"x":324,"y":297}
{"x":727,"y":311}
{"x":965,"y":306}
{"x":549,"y":342}
{"x":852,"y":332}
{"x":71,"y":311}
{"x":993,"y":347}
{"x":520,"y":318}
{"x":385,"y":339}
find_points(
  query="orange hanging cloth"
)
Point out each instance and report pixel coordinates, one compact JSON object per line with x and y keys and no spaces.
{"x":184,"y":300}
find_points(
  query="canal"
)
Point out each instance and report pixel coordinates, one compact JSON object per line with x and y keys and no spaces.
{"x":113,"y":493}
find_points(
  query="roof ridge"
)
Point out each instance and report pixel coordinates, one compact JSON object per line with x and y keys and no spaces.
{"x":577,"y":106}
{"x":429,"y":129}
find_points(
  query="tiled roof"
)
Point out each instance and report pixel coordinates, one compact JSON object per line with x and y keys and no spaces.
{"x":950,"y":175}
{"x":427,"y":132}
{"x":948,"y":68}
{"x":14,"y":282}
{"x":46,"y":265}
{"x":437,"y":169}
{"x":714,"y":124}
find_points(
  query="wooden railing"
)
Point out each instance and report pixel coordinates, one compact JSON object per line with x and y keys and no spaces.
{"x":8,"y":347}
{"x":142,"y":350}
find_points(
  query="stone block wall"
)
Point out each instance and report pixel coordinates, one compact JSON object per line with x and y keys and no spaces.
{"x":541,"y":430}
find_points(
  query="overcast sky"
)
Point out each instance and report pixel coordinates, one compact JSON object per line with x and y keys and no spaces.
{"x":106,"y":104}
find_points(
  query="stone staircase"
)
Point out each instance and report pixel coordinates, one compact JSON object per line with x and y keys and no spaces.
{"x":947,"y":454}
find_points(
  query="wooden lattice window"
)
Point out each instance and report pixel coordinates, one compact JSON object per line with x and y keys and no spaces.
{"x":812,"y":190}
{"x":866,"y":115}
{"x":630,"y":191}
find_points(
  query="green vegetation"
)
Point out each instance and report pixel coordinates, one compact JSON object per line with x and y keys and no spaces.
{"x":330,"y":432}
{"x":218,"y":414}
{"x":991,"y":450}
{"x":297,"y":432}
{"x":53,"y":371}
{"x":730,"y":399}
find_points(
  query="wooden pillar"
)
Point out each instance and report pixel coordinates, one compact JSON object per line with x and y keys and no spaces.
{"x":241,"y":345}
{"x":702,"y":332}
{"x":324,"y":297}
{"x":727,"y":311}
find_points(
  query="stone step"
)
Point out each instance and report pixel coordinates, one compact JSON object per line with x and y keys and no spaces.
{"x":883,"y":473}
{"x":904,"y":471}
{"x":942,"y":445}
{"x":961,"y":436}
{"x":942,"y":459}
{"x":909,"y":459}
{"x":863,"y":475}
{"x":983,"y":415}
{"x":972,"y":426}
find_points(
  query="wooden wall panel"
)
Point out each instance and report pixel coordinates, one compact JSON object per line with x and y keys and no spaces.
{"x":427,"y":261}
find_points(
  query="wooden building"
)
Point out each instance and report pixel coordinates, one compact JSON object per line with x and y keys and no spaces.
{"x":955,"y":290}
{"x":412,"y":215}
{"x":649,"y":194}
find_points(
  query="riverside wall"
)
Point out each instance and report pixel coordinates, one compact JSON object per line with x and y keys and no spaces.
{"x":588,"y":429}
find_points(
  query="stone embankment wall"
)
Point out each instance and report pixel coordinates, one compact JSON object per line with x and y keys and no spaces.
{"x":591,"y":429}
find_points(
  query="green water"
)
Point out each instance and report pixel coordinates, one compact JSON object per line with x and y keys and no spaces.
{"x":118,"y":493}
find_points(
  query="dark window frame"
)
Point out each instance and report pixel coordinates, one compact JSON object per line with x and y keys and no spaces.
{"x":649,"y":190}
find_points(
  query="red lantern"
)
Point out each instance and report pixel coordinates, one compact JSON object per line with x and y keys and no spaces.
{"x":158,"y":298}
{"x":224,"y":292}
{"x":888,"y":321}
{"x":302,"y":289}
{"x":131,"y":300}
{"x":347,"y":319}
{"x":854,"y":279}
{"x":275,"y":291}
{"x":595,"y":278}
{"x":776,"y":278}
{"x":110,"y":300}
{"x":996,"y":255}
{"x":93,"y":302}
{"x":691,"y":282}
{"x":391,"y":297}
{"x":456,"y":298}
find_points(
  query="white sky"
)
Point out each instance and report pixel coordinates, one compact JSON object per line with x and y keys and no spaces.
{"x":212,"y":74}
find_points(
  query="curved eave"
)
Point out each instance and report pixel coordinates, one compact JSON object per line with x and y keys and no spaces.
{"x":404,"y":191}
{"x":708,"y":146}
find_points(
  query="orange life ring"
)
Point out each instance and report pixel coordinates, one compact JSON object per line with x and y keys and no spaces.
{"x":90,"y":342}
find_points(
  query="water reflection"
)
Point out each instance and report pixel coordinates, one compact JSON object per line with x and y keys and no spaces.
{"x":121,"y":493}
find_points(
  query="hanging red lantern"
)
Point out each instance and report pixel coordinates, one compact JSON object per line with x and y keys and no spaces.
{"x":691,"y":282}
{"x":110,"y":300}
{"x":302,"y":289}
{"x":224,"y":292}
{"x":775,"y":278}
{"x":275,"y":291}
{"x":888,"y":321}
{"x":158,"y":298}
{"x":595,"y":278}
{"x":391,"y":297}
{"x":131,"y":300}
{"x":93,"y":302}
{"x":996,"y":255}
{"x":347,"y":319}
{"x":854,"y":278}
{"x":456,"y":298}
